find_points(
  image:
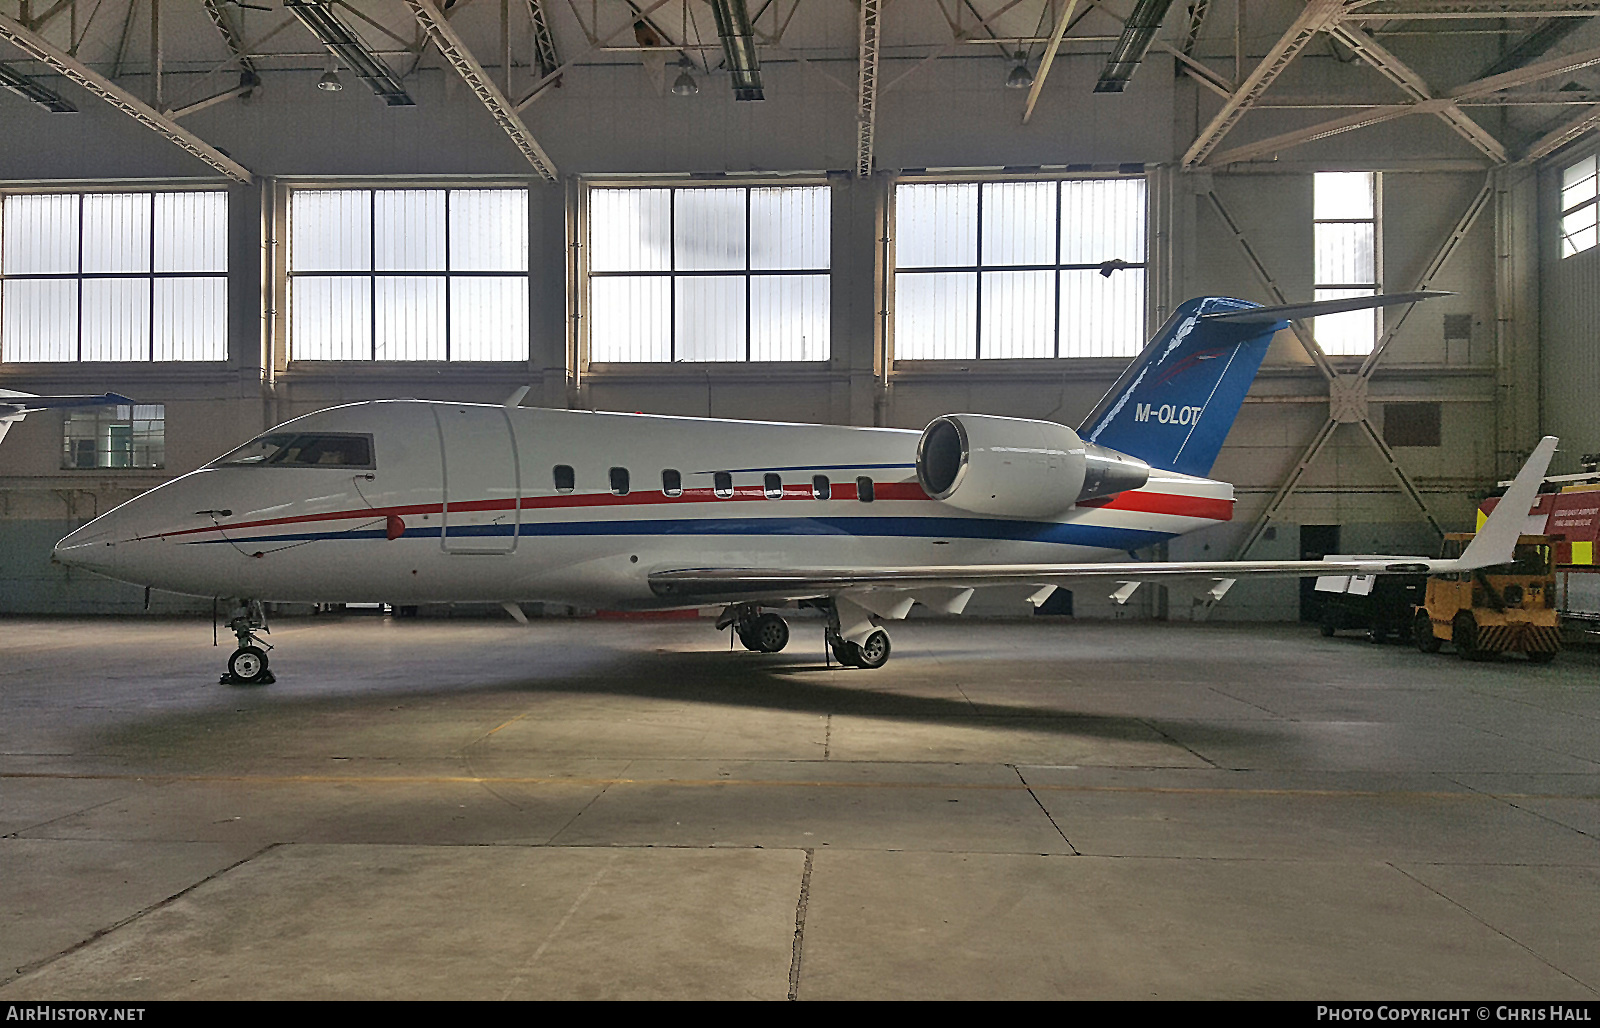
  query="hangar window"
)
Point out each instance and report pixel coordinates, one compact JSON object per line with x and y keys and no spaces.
{"x":1579,"y":228}
{"x":115,"y":437}
{"x":1344,"y":237}
{"x":114,"y":276}
{"x":1019,"y":269}
{"x":717,"y":273}
{"x":408,"y":274}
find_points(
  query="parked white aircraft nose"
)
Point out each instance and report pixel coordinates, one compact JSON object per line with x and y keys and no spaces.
{"x":92,"y":547}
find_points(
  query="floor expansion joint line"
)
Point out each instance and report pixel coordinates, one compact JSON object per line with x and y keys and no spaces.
{"x":800,"y":926}
{"x":1500,"y":932}
{"x":1045,"y":811}
{"x":1182,"y":745}
{"x":1509,"y":798}
{"x":136,"y":915}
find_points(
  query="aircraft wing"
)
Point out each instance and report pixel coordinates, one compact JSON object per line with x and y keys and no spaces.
{"x":890,"y":591}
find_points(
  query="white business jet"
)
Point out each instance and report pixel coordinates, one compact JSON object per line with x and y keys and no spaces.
{"x":411,"y":501}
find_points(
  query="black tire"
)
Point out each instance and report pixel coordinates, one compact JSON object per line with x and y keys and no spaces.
{"x":1328,"y":626}
{"x":1377,"y":635}
{"x":1422,"y":633}
{"x":1542,"y":656}
{"x":745,"y":638}
{"x":1464,"y":633}
{"x":841,"y":652}
{"x":768,"y":633}
{"x":248,"y":665}
{"x":874,"y":653}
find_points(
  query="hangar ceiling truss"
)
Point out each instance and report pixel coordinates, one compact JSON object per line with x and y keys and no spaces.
{"x":1346,"y":22}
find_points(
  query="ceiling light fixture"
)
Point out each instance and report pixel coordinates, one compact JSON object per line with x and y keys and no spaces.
{"x":1020,"y":77}
{"x":684,"y":84}
{"x":329,"y":82}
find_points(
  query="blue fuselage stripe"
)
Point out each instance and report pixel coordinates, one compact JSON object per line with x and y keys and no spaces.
{"x":875,"y":527}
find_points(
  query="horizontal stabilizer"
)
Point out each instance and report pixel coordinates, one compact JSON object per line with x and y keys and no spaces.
{"x":1295,"y":311}
{"x":13,"y":403}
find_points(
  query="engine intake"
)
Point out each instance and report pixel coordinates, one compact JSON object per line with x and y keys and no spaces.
{"x":1018,"y":468}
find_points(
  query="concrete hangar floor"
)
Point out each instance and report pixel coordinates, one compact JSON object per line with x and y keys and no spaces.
{"x":431,"y":808}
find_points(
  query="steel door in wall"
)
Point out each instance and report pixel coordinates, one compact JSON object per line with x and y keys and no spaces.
{"x":482,"y":487}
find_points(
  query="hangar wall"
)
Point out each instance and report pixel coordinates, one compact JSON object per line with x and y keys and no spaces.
{"x":948,"y":114}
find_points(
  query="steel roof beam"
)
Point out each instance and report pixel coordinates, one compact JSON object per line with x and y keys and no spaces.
{"x":41,"y":49}
{"x":1317,"y":15}
{"x":1533,"y":46}
{"x":1137,"y":33}
{"x":1197,"y":18}
{"x":1398,"y":72}
{"x":1377,"y":114}
{"x":1563,"y":134}
{"x":545,"y":57}
{"x":866,"y":86}
{"x":1048,"y":58}
{"x":451,"y":47}
{"x":1425,"y":10}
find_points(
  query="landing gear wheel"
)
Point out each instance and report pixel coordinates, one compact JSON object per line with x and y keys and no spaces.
{"x":1328,"y":627}
{"x":768,"y":633}
{"x":1464,"y":633}
{"x":1377,"y":635}
{"x":841,"y":652}
{"x":248,"y":666}
{"x":1542,"y":656}
{"x":1422,"y":633}
{"x":746,"y":639}
{"x":874,"y":653}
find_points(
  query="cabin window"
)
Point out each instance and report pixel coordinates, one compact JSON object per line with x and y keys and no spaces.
{"x":619,"y":481}
{"x":671,"y":482}
{"x":864,"y":489}
{"x":304,"y":449}
{"x":772,"y":485}
{"x":821,"y":488}
{"x":565,"y":480}
{"x":722,"y":484}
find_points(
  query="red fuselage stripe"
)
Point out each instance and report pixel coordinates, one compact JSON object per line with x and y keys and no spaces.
{"x":1175,"y":504}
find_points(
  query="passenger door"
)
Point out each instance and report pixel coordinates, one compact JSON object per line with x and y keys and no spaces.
{"x":482,"y":484}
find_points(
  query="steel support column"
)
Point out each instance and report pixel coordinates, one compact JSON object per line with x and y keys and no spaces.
{"x":1357,"y":385}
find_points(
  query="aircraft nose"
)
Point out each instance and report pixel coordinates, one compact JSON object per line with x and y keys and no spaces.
{"x":92,"y":547}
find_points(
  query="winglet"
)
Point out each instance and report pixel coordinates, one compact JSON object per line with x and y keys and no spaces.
{"x":1496,"y":541}
{"x":516,"y":398}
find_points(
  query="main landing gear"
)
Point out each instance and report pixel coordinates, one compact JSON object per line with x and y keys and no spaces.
{"x":248,"y":664}
{"x":769,"y":633}
{"x":763,"y":633}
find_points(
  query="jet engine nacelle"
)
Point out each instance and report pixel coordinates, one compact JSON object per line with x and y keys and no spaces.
{"x":1018,"y":468}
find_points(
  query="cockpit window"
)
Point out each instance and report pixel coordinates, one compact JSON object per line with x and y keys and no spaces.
{"x":304,"y":449}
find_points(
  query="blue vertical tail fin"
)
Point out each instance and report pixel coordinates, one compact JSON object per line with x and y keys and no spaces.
{"x":1174,"y":405}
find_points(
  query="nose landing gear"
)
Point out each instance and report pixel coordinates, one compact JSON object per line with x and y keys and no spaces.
{"x":248,"y":664}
